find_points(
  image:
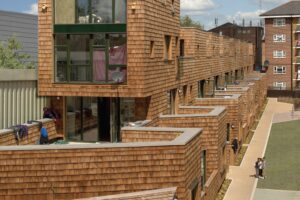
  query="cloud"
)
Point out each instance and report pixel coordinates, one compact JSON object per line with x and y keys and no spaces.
{"x":269,"y":2}
{"x":247,"y":16}
{"x":197,"y":5}
{"x":33,"y":9}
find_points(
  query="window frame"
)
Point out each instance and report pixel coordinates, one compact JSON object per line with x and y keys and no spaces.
{"x":90,"y":14}
{"x":203,"y":167}
{"x":283,"y":70}
{"x":279,"y":22}
{"x":91,"y":80}
{"x":277,"y":36}
{"x":280,"y":84}
{"x":168,"y":51}
{"x":276,"y":54}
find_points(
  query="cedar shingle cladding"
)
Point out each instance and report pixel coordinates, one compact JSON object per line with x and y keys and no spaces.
{"x":78,"y":171}
{"x":147,"y":76}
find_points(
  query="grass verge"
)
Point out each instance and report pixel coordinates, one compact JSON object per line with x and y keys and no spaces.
{"x":223,"y":189}
{"x":240,"y":156}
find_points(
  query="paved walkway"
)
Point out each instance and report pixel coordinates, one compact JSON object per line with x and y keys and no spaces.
{"x":243,"y":184}
{"x":267,"y":194}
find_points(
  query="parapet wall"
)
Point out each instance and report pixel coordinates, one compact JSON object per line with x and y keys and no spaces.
{"x":89,"y":170}
{"x":7,"y":136}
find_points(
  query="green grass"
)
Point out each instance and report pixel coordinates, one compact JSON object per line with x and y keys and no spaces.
{"x":223,"y":189}
{"x":283,"y":157}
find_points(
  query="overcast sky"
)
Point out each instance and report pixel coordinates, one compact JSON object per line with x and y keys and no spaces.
{"x":204,"y":11}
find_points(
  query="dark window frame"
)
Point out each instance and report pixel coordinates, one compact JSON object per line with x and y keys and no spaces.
{"x":91,"y":80}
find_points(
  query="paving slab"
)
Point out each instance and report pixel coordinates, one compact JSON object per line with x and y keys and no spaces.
{"x":243,"y":183}
{"x":267,"y":194}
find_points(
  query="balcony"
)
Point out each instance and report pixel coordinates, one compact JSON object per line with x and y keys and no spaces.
{"x":298,"y":76}
{"x":297,"y":29}
{"x":297,"y":61}
{"x":297,"y":46}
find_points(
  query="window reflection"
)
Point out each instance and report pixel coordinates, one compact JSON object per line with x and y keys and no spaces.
{"x":91,"y":58}
{"x":79,"y":57}
{"x":118,"y":49}
{"x":102,"y":12}
{"x":90,"y":11}
{"x":120,"y":11}
{"x":82,"y":9}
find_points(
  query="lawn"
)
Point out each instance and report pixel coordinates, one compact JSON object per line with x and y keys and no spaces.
{"x":283,"y":157}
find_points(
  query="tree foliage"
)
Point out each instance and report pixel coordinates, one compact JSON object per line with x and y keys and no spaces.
{"x":186,"y":21}
{"x":11,"y":57}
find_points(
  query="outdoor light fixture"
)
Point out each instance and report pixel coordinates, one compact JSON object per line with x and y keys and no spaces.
{"x":175,"y":197}
{"x":133,"y":6}
{"x":44,"y":8}
{"x":232,"y":126}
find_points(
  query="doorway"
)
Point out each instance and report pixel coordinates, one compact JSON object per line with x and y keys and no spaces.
{"x":93,"y":119}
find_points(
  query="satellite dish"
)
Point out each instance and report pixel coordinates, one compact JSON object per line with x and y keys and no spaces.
{"x":266,"y":63}
{"x":117,"y":76}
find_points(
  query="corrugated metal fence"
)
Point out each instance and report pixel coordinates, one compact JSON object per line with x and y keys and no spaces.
{"x":19,"y":101}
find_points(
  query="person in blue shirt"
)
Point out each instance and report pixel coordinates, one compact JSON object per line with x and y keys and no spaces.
{"x":44,"y":136}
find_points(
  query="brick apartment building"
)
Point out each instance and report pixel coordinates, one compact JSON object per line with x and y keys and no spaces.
{"x":253,"y":34}
{"x":149,"y":104}
{"x":282,"y":45}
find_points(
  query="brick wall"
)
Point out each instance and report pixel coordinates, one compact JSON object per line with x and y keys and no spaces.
{"x":271,"y":46}
{"x":7,"y":137}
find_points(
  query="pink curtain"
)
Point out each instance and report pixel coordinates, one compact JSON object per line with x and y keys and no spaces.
{"x":99,"y":65}
{"x":118,"y":55}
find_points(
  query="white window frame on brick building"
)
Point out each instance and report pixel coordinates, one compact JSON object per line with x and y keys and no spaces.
{"x":279,"y":70}
{"x":279,"y":38}
{"x":279,"y":84}
{"x":279,"y":22}
{"x":279,"y":54}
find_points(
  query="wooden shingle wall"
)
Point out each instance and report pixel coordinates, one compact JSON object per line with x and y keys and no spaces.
{"x":148,"y":136}
{"x":213,"y":137}
{"x":245,"y":108}
{"x":69,"y":172}
{"x":206,"y":54}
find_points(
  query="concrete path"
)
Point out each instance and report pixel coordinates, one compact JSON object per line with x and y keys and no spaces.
{"x":243,"y":183}
{"x":267,"y":194}
{"x":287,"y":116}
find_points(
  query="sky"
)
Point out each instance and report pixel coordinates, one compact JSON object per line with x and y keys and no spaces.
{"x":204,"y":11}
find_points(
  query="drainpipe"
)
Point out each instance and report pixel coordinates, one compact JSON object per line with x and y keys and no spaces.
{"x":292,"y":70}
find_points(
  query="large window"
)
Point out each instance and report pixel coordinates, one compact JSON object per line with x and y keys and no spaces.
{"x":97,"y":58}
{"x":90,"y":11}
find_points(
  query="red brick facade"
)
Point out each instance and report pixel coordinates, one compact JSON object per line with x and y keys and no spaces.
{"x":288,"y":46}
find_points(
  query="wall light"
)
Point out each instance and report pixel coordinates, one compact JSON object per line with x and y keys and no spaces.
{"x":44,"y":8}
{"x":175,"y":197}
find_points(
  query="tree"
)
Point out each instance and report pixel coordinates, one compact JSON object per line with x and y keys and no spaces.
{"x":11,"y":57}
{"x":186,"y":21}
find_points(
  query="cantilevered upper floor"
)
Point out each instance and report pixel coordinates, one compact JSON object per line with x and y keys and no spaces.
{"x":126,"y":48}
